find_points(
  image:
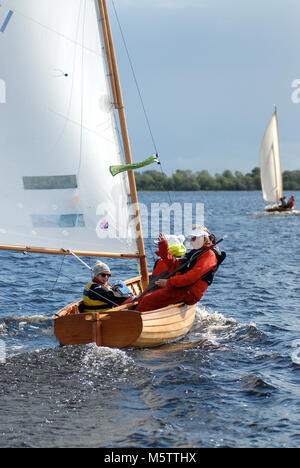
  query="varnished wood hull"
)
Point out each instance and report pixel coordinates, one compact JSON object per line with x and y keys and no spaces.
{"x":279,"y":209}
{"x":165,"y":325}
{"x":122,"y":327}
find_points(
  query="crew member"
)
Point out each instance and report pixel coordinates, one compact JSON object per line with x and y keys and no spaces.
{"x":283,"y":202}
{"x":176,"y":248}
{"x":98,"y":295}
{"x":190,"y":283}
{"x":291,"y":203}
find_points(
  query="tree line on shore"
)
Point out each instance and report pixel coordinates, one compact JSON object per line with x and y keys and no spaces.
{"x":186,"y":180}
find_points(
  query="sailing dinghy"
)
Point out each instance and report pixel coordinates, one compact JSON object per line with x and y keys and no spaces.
{"x":270,"y":167}
{"x":59,"y":137}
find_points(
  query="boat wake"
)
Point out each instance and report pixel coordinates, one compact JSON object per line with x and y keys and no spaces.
{"x":14,"y":324}
{"x":209,"y":325}
{"x":24,"y":334}
{"x":211,"y":329}
{"x":274,"y":213}
{"x":96,"y":357}
{"x":219,"y":330}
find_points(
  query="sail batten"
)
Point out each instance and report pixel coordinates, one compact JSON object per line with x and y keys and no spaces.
{"x":270,"y":165}
{"x":59,"y":133}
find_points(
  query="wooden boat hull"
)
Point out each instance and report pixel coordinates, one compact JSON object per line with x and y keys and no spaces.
{"x":272,"y":209}
{"x":121,"y":327}
{"x":165,"y":325}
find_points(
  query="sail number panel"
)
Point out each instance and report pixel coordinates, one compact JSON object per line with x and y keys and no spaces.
{"x":50,"y":182}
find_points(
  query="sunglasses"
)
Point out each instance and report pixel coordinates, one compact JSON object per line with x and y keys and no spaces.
{"x":105,"y":274}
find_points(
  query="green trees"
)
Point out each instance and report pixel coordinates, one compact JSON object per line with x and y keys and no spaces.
{"x":186,"y":180}
{"x":291,"y":180}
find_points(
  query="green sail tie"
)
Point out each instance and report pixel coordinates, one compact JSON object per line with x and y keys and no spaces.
{"x":129,"y":167}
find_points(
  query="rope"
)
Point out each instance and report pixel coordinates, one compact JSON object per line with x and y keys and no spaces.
{"x":135,"y":78}
{"x":139,"y":93}
{"x":140,"y":274}
{"x":57,"y":278}
{"x":80,"y":260}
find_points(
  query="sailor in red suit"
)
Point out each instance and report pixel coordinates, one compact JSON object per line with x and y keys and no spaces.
{"x":190,"y":283}
{"x":176,"y":248}
{"x":290,"y":204}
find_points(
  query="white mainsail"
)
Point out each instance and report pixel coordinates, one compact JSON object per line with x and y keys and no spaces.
{"x":58,"y":132}
{"x":270,"y":165}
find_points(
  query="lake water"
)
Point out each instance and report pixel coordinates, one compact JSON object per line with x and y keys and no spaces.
{"x":232,"y":382}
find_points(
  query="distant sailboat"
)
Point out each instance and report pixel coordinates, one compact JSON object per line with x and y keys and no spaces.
{"x":270,"y":166}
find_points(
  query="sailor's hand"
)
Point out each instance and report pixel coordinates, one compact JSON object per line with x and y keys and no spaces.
{"x":161,"y":237}
{"x":162,"y":283}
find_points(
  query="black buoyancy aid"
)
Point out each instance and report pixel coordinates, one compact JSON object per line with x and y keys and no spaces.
{"x":191,"y":258}
{"x":210,"y":275}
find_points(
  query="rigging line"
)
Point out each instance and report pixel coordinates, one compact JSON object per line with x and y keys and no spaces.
{"x":58,"y":275}
{"x":135,"y":79}
{"x":139,"y":91}
{"x":80,"y":260}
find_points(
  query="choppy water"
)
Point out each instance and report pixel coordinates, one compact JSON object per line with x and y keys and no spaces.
{"x":233,"y":382}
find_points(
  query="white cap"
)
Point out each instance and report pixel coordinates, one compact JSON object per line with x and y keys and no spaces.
{"x":100,"y":267}
{"x":198,"y":233}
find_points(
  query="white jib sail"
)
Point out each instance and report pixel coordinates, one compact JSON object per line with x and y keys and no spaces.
{"x":270,"y":166}
{"x":58,"y":132}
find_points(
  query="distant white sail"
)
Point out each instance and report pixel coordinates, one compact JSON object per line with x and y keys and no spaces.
{"x":58,"y":132}
{"x":270,"y":166}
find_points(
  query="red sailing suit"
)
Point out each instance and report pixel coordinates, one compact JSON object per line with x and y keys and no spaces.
{"x":187,"y":287}
{"x":291,"y":203}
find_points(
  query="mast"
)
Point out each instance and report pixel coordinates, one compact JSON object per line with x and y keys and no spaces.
{"x":119,"y":106}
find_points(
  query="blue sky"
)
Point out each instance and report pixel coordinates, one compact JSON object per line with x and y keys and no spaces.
{"x":209,"y":72}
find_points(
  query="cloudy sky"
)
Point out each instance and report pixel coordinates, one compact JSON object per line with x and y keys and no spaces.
{"x":209,"y":72}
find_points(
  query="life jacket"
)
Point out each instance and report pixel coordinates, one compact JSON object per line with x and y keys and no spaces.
{"x":221,"y":255}
{"x":92,"y":300}
{"x":191,"y":262}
